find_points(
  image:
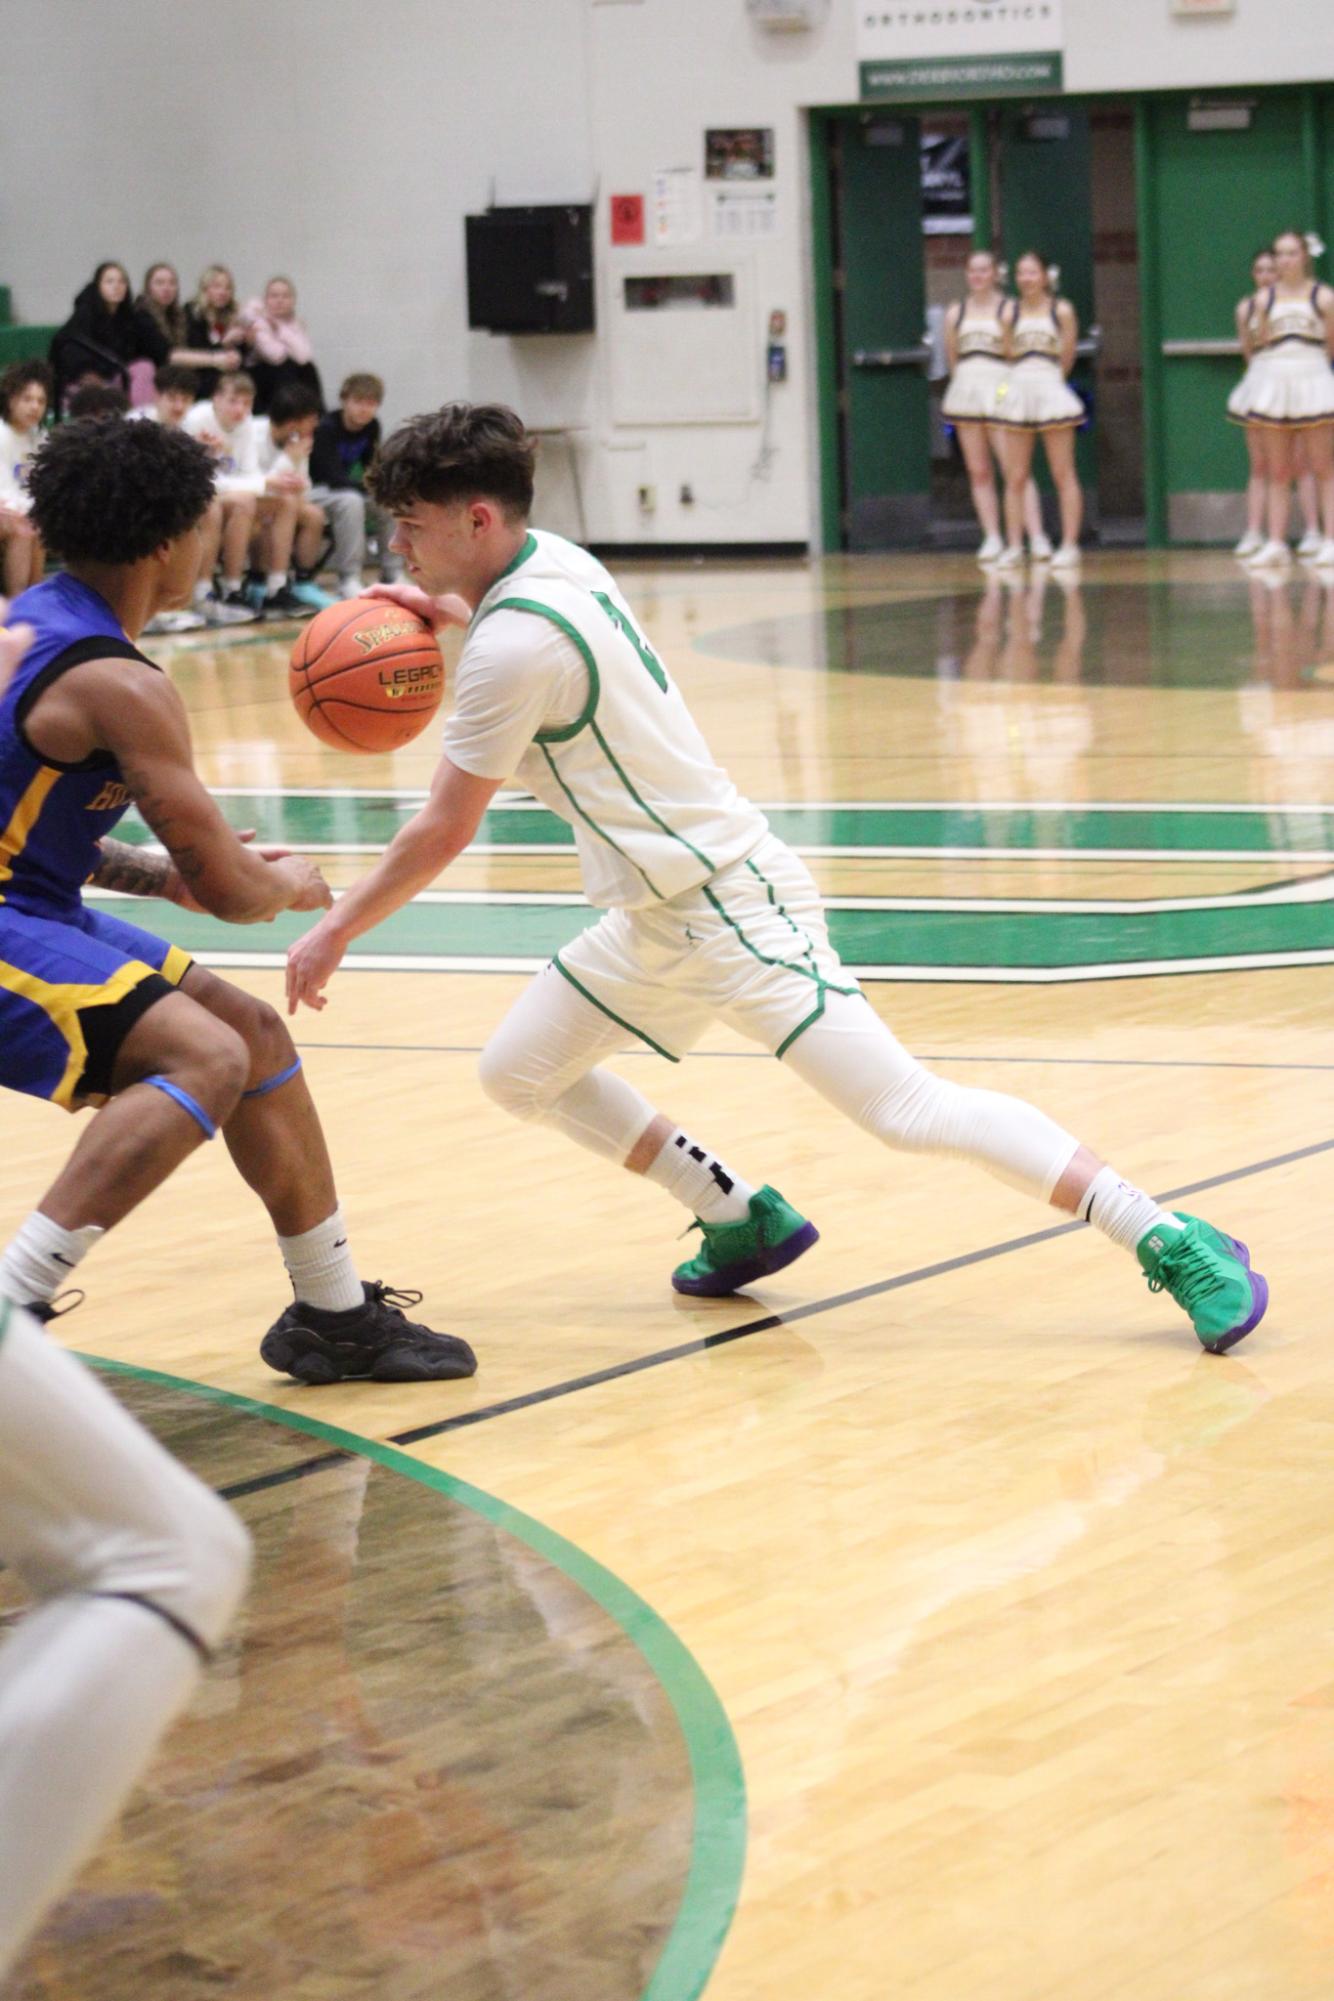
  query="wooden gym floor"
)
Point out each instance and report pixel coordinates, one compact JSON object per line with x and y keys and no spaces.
{"x":938,"y":1621}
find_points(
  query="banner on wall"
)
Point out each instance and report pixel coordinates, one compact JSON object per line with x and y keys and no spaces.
{"x":930,"y":49}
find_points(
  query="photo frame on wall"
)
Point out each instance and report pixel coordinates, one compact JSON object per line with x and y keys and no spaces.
{"x":739,"y":153}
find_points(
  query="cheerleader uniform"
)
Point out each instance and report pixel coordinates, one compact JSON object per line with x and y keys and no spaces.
{"x":1296,"y":387}
{"x":980,"y":370}
{"x":1239,"y":402}
{"x":1036,"y":395}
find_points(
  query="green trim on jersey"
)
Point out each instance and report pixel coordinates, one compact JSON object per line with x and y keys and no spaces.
{"x":585,"y":715}
{"x":801,"y":1027}
{"x":611,"y":1014}
{"x":528,"y":549}
{"x":601,"y":832}
{"x":644,"y":806}
{"x":782,"y":910}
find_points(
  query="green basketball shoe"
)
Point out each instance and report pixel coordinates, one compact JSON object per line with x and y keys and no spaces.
{"x":1209,"y":1275}
{"x":734,"y":1255}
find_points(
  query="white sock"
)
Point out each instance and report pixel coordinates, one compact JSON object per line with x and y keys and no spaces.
{"x":320,"y":1266}
{"x":275,"y":581}
{"x":231,"y":584}
{"x":705,"y":1187}
{"x":41,"y":1257}
{"x":203,"y":589}
{"x":1123,"y":1213}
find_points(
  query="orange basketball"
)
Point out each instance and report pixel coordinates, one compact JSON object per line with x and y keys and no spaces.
{"x":366,"y":674}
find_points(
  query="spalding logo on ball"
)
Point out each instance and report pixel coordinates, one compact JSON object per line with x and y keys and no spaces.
{"x":367,"y":675}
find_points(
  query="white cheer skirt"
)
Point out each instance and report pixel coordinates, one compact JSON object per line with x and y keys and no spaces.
{"x":971,"y":395}
{"x":1037,"y":397}
{"x":1295,"y":388}
{"x":1239,"y":402}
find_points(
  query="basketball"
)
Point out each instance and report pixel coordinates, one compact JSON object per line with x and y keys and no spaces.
{"x":366,"y":674}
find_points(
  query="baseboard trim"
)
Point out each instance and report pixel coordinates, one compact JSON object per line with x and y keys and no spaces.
{"x":695,"y":552}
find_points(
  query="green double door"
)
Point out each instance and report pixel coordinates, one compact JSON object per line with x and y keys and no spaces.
{"x":871,"y":268}
{"x":1219,"y":176}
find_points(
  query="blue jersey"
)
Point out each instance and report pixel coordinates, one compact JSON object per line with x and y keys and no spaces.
{"x":53,"y":815}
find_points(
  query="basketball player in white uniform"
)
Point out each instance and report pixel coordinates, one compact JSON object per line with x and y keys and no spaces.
{"x":708,"y":915}
{"x":135,"y":1569}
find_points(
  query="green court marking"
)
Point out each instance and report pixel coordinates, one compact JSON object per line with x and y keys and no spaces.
{"x":1097,"y":832}
{"x":459,"y":935}
{"x":718,"y":1849}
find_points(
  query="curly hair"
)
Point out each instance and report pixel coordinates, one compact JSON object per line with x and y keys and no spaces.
{"x":113,"y":493}
{"x":17,"y":377}
{"x":463,"y":451}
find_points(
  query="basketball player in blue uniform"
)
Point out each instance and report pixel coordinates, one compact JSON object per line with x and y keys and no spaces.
{"x":95,"y":1013}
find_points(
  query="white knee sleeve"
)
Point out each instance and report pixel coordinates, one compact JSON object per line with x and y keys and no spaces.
{"x":850,"y":1058}
{"x":539,"y":1064}
{"x":89,"y":1503}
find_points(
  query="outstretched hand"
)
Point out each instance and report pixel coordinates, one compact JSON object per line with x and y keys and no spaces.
{"x":311,"y":963}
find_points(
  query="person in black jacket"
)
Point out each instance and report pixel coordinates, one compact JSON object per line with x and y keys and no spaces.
{"x":104,"y":335}
{"x":346,"y":441}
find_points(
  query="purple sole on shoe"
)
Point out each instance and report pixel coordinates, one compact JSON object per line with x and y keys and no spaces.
{"x":1259,"y":1304}
{"x":736,"y":1277}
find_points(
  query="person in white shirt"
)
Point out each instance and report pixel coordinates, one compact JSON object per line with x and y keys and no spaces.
{"x":175,"y":388}
{"x":250,"y":497}
{"x":25,"y":393}
{"x":708,"y":915}
{"x":284,"y":440}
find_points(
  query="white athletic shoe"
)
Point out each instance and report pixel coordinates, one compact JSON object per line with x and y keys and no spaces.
{"x":1250,"y":544}
{"x":1324,"y":557}
{"x":175,"y":621}
{"x":1010,"y":559}
{"x":1311,"y":543}
{"x":991,"y":549}
{"x":1068,"y":557}
{"x":1039,"y":548}
{"x":350,"y":587}
{"x":1270,"y":556}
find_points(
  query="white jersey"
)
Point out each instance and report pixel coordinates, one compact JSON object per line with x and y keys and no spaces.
{"x":558,"y":686}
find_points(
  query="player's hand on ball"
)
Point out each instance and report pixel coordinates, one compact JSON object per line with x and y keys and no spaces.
{"x":438,"y":612}
{"x":309,"y":890}
{"x":311,"y":964}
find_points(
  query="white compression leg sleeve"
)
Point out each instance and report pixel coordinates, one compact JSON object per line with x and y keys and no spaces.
{"x":137,"y":1568}
{"x":540,"y":1062}
{"x":850,"y":1058}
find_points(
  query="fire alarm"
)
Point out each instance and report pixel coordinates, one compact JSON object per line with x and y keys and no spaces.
{"x":787,"y":14}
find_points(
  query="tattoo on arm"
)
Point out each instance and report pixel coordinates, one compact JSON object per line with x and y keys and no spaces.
{"x":131,"y":871}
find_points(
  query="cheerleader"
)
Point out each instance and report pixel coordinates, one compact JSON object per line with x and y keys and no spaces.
{"x":975,"y":352}
{"x":1041,"y":336}
{"x":1264,"y":272}
{"x":1294,"y":396}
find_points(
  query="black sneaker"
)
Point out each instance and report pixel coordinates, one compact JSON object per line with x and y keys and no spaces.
{"x":371,"y":1343}
{"x":286,"y":604}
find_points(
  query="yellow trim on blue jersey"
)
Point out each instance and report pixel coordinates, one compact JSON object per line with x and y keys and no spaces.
{"x":61,"y":1002}
{"x":22,"y":821}
{"x":176,"y":965}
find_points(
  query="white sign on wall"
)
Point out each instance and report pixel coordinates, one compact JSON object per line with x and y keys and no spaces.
{"x":959,"y":48}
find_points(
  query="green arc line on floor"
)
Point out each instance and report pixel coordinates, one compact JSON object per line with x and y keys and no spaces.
{"x":718,"y":1849}
{"x":901,"y":940}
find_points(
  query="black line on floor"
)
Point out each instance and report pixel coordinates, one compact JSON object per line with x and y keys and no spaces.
{"x":926,"y":1056}
{"x":765,"y":1324}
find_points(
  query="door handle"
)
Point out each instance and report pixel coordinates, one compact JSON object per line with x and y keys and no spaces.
{"x":1196,"y":350}
{"x":891,"y":357}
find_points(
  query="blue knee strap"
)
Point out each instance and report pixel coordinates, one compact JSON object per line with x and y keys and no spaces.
{"x":186,"y":1102}
{"x":274,"y":1083}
